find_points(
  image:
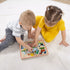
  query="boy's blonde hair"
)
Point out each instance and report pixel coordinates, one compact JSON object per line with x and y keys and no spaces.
{"x":27,"y":18}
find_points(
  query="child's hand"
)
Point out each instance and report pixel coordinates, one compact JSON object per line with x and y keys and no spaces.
{"x":29,"y":48}
{"x":35,"y":44}
{"x":64,"y":43}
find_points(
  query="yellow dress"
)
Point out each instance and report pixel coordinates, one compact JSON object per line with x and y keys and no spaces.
{"x":49,"y":33}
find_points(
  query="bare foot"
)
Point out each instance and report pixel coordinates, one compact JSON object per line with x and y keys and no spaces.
{"x":2,"y":40}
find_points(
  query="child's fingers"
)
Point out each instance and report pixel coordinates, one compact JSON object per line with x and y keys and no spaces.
{"x":60,"y":43}
{"x":36,"y":45}
{"x":1,"y":40}
{"x":66,"y":44}
{"x":31,"y":50}
{"x":33,"y":44}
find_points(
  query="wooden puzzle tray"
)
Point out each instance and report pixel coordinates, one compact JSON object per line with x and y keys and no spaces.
{"x":40,"y":50}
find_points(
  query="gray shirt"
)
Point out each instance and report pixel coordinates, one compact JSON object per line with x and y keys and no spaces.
{"x":17,"y":30}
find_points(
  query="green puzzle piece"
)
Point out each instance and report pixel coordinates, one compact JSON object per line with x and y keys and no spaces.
{"x":22,"y":50}
{"x":37,"y":52}
{"x":42,"y":48}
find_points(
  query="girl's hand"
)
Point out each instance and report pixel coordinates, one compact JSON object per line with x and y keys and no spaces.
{"x":64,"y":43}
{"x":35,"y":44}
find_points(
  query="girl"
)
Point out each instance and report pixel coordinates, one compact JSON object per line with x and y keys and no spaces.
{"x":50,"y":25}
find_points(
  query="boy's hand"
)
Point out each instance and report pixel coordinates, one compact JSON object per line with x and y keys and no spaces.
{"x":29,"y":48}
{"x":23,"y":44}
{"x":64,"y":43}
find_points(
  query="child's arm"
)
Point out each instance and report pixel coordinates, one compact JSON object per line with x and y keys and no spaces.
{"x":36,"y":36}
{"x":29,"y":33}
{"x":23,"y":44}
{"x":63,"y":33}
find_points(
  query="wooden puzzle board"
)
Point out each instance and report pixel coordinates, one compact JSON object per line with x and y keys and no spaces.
{"x":40,"y":50}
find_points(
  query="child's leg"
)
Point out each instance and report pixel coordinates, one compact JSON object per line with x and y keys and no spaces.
{"x":8,"y":41}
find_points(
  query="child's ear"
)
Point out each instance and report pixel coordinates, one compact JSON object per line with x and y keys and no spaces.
{"x":20,"y":23}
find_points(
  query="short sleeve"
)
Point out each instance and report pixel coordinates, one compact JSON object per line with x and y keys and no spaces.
{"x":41,"y":23}
{"x":61,"y":25}
{"x":16,"y":34}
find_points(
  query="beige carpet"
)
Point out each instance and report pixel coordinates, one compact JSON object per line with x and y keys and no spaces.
{"x":59,"y":56}
{"x":2,"y":1}
{"x":64,"y":1}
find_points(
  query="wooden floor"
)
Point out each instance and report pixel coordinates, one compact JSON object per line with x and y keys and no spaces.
{"x":63,"y":1}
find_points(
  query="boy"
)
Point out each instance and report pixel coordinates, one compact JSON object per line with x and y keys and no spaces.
{"x":16,"y":29}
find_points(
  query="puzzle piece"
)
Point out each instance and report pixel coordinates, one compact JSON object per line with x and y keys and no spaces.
{"x":22,"y":47}
{"x":35,"y":50}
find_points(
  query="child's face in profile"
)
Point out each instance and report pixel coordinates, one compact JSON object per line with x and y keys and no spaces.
{"x":50,"y":24}
{"x":26,"y":27}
